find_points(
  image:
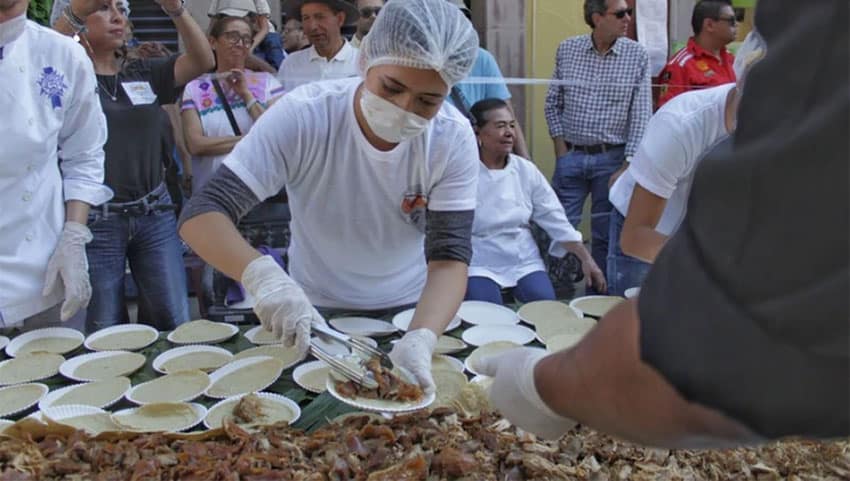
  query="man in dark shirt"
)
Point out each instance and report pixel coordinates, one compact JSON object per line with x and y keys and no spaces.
{"x":740,"y":333}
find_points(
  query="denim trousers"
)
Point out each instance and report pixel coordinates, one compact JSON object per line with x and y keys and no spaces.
{"x":150,"y":244}
{"x":624,"y":271}
{"x":532,"y":287}
{"x":577,"y":175}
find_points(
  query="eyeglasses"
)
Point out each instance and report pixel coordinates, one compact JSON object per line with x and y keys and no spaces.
{"x":369,"y":11}
{"x":235,"y":38}
{"x":732,"y":20}
{"x":622,"y":13}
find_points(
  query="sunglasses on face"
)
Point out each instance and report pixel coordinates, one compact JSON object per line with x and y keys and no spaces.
{"x":622,"y":13}
{"x":235,"y":38}
{"x":732,"y":20}
{"x":369,"y":11}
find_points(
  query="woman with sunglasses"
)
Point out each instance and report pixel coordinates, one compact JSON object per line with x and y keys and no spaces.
{"x":138,"y":225}
{"x":209,"y":133}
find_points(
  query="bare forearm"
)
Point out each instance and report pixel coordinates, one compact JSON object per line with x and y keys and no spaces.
{"x":441,"y":297}
{"x":603,"y":383}
{"x":208,"y":146}
{"x":76,"y":211}
{"x":642,"y":242}
{"x":560,"y":146}
{"x":226,"y":250}
{"x":198,"y":56}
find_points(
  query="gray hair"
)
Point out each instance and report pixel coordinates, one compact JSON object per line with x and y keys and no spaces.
{"x":594,"y":6}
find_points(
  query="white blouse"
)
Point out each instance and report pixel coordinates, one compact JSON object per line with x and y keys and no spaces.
{"x":503,"y":248}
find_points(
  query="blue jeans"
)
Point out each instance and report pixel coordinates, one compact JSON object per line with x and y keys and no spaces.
{"x":270,"y":49}
{"x":624,"y":271}
{"x":578,"y":174}
{"x":151,"y":245}
{"x":533,"y":287}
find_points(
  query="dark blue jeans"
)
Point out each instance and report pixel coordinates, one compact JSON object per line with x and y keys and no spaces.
{"x":624,"y":271}
{"x":533,"y":287}
{"x":578,"y":174}
{"x":150,"y":243}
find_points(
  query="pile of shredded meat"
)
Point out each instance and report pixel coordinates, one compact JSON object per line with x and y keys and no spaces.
{"x":248,"y":410}
{"x":439,"y":446}
{"x":390,"y":386}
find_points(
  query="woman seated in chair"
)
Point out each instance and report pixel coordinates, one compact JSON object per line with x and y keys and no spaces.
{"x":513,"y":193}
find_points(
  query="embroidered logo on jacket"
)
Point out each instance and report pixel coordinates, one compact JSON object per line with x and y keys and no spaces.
{"x":52,"y":84}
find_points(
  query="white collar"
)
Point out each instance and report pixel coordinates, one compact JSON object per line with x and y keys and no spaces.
{"x":344,"y":54}
{"x":11,"y":30}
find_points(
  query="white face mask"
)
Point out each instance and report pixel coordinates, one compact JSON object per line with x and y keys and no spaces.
{"x":10,"y":30}
{"x":389,"y":121}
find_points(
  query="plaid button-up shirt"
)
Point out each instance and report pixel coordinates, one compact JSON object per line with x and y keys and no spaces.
{"x":607,"y":99}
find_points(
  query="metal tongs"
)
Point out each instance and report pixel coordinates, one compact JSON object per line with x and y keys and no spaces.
{"x":362,"y":377}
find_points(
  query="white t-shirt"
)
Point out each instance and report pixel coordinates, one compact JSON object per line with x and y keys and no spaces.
{"x":305,"y":66}
{"x":358,"y":214}
{"x":509,"y":199}
{"x":676,"y":138}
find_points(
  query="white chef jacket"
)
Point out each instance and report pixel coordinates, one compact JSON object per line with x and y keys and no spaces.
{"x":305,"y":66}
{"x":358,"y":213}
{"x":509,"y":199}
{"x":48,"y":88}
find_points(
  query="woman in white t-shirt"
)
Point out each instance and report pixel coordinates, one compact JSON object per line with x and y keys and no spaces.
{"x":381,"y":178}
{"x":513,"y":193}
{"x":209,"y":134}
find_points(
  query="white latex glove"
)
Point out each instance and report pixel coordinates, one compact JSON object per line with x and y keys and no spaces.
{"x":413,"y":352}
{"x":280,"y":303}
{"x":69,"y":262}
{"x":515,"y":395}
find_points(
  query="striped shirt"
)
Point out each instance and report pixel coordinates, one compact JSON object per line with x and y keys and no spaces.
{"x":607,"y":98}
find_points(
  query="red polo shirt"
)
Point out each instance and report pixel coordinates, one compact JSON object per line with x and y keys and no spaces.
{"x":694,"y":67}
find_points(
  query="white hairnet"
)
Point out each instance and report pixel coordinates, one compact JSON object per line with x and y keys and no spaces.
{"x":749,"y":53}
{"x":426,"y":34}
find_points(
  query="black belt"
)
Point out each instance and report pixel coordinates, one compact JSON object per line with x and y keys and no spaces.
{"x":594,"y":149}
{"x":141,"y":207}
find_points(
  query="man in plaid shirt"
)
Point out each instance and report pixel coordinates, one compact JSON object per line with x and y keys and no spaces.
{"x":597,"y":117}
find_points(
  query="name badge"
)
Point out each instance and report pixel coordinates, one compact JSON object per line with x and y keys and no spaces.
{"x":139,"y":93}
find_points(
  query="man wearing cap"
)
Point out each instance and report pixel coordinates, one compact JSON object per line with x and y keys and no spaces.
{"x":704,"y":62}
{"x":331,"y":56}
{"x":369,"y":10}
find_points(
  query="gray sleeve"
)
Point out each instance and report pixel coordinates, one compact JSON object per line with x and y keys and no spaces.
{"x":448,"y":235}
{"x":225,"y":193}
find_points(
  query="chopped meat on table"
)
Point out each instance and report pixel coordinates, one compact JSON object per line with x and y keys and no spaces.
{"x":390,"y":386}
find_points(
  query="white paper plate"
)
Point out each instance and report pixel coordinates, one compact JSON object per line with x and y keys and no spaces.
{"x":442,"y":361}
{"x":18,"y":345}
{"x":548,"y":328}
{"x":63,"y":415}
{"x":245,"y":367}
{"x":449,"y":345}
{"x":403,"y":319}
{"x":177,"y":352}
{"x":260,"y":336}
{"x":486,"y":313}
{"x":362,"y":326}
{"x":189,"y":395}
{"x":230,"y":402}
{"x":48,"y":366}
{"x":595,"y":306}
{"x":33,"y":391}
{"x":120,"y":387}
{"x":560,"y":342}
{"x":480,"y":335}
{"x":4,"y":341}
{"x":69,"y":368}
{"x":230,"y":331}
{"x":486,"y":350}
{"x":379,"y":405}
{"x":533,"y":311}
{"x":199,"y":411}
{"x":312,"y":376}
{"x":151,"y":335}
{"x":5,"y":423}
{"x":289,"y":355}
{"x":632,"y":292}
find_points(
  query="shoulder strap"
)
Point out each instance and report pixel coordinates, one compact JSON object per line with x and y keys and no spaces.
{"x":460,"y":102}
{"x":226,"y":106}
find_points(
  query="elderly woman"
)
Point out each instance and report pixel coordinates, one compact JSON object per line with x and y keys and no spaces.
{"x":376,"y":168}
{"x":231,"y":92}
{"x":512,"y":193}
{"x":139,"y":224}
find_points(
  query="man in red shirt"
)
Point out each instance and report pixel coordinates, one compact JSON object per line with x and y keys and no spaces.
{"x":704,"y":62}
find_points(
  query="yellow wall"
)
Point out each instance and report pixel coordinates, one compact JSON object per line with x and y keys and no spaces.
{"x":549,"y":22}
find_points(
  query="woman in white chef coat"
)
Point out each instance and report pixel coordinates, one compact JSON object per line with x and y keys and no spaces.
{"x":47,"y":91}
{"x":512,"y":193}
{"x":375,"y":168}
